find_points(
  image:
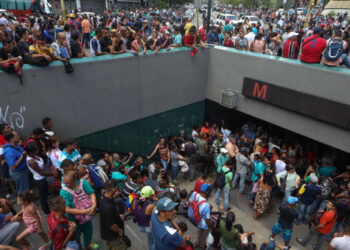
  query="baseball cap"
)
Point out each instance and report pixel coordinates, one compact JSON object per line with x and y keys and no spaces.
{"x":227,"y":20}
{"x":71,"y":15}
{"x":313,"y":178}
{"x":292,"y":200}
{"x":291,"y":34}
{"x":166,"y":204}
{"x":147,"y":192}
{"x":204,"y":187}
{"x":223,"y":150}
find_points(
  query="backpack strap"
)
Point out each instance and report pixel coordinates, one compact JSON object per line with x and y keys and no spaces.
{"x":81,"y":184}
{"x":61,"y":225}
{"x":68,"y":190}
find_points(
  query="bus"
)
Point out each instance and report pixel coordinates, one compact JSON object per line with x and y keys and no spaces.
{"x":24,"y":7}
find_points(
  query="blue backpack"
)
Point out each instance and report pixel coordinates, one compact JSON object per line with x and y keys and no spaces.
{"x":96,"y":179}
{"x":333,"y":50}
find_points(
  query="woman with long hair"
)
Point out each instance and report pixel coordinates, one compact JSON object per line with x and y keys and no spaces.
{"x":258,"y":44}
{"x":263,"y":195}
{"x":228,"y":233}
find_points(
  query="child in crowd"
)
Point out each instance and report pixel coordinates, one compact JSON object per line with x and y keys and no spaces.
{"x":31,"y":218}
{"x":184,"y":203}
{"x":245,"y":237}
{"x":60,"y":229}
{"x":183,"y":227}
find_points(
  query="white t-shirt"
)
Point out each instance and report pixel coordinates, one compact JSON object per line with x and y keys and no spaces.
{"x":341,"y":243}
{"x":40,"y":162}
{"x":54,"y":155}
{"x":280,"y":166}
{"x":194,"y":134}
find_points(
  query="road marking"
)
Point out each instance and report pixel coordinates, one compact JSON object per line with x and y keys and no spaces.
{"x":133,"y":233}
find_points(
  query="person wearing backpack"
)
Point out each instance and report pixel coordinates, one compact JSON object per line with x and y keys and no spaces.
{"x":80,"y":207}
{"x":199,"y":213}
{"x":334,"y":53}
{"x":223,"y":182}
{"x":323,"y":228}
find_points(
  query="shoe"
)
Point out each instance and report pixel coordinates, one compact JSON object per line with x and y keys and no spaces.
{"x":93,"y":246}
{"x":271,"y":238}
{"x":228,"y":209}
{"x":286,"y":248}
{"x":300,"y":241}
{"x":8,"y":196}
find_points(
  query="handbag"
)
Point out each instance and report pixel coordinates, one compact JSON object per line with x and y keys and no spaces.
{"x":283,"y":184}
{"x":68,"y":67}
{"x":256,"y":186}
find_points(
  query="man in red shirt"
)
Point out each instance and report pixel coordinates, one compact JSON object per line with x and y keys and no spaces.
{"x":190,"y":38}
{"x":312,"y":47}
{"x":291,"y":47}
{"x":323,"y":228}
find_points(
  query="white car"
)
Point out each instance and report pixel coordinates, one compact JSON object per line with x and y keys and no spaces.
{"x":222,"y":17}
{"x":280,"y":12}
{"x":300,"y":11}
{"x":252,"y":19}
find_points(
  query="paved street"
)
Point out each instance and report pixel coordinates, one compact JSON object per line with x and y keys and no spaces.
{"x":239,"y":205}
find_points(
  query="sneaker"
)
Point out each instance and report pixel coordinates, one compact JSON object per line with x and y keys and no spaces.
{"x":271,"y":238}
{"x":300,"y":241}
{"x":8,"y":196}
{"x":227,"y":209}
{"x":44,"y":247}
{"x":93,"y":246}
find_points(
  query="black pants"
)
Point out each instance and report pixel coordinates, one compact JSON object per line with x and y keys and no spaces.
{"x":43,"y":194}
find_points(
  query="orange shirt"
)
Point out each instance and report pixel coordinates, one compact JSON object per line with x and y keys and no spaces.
{"x":328,"y":220}
{"x":86,"y":26}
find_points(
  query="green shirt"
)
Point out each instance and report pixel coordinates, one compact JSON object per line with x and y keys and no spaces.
{"x":228,"y":27}
{"x":228,"y":176}
{"x":227,"y":237}
{"x":69,"y":197}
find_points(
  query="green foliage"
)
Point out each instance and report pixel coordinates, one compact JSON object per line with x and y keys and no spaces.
{"x":331,"y":14}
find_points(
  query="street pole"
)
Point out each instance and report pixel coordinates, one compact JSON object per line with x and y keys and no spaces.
{"x":197,"y":16}
{"x":63,"y":11}
{"x":70,"y":6}
{"x":208,"y":16}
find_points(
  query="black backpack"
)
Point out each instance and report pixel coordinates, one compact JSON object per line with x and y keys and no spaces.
{"x":220,"y":179}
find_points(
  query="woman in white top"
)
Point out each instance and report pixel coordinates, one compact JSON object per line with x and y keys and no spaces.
{"x":291,"y":179}
{"x":36,"y":166}
{"x":53,"y":151}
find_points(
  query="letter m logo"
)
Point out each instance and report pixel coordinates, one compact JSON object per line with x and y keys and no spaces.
{"x":260,"y":91}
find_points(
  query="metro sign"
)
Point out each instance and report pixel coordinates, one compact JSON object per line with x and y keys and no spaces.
{"x":329,"y":111}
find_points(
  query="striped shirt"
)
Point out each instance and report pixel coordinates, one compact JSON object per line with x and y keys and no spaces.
{"x":129,"y":187}
{"x":291,"y":49}
{"x":74,"y":157}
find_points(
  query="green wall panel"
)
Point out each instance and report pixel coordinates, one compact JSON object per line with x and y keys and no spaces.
{"x":141,"y":135}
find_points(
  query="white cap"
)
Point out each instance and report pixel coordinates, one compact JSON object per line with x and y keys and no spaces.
{"x":291,"y":34}
{"x":223,"y":150}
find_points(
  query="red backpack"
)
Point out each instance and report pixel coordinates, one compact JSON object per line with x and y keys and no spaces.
{"x":193,"y":210}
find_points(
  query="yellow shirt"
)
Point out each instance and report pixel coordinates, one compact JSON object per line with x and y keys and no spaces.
{"x":188,"y":27}
{"x":34,"y":49}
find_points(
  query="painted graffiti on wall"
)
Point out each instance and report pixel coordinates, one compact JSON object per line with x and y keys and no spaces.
{"x":12,"y":117}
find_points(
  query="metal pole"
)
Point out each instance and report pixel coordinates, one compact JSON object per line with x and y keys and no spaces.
{"x":197,"y":16}
{"x":208,"y":16}
{"x":63,"y":11}
{"x":70,"y":6}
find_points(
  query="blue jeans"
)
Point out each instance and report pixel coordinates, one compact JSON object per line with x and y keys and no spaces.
{"x":304,"y":212}
{"x":190,"y":172}
{"x":345,"y":60}
{"x":241,"y":178}
{"x":150,"y":239}
{"x":8,"y":231}
{"x":21,"y":179}
{"x":226,"y":197}
{"x":86,"y":40}
{"x":174,"y":172}
{"x":251,"y":195}
{"x":337,"y":227}
{"x":320,"y":237}
{"x":164,"y":164}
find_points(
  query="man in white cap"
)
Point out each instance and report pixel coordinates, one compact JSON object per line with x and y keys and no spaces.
{"x":164,"y":42}
{"x":309,"y":193}
{"x":221,"y":158}
{"x":291,"y":47}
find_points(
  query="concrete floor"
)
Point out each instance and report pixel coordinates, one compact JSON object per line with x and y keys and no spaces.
{"x":239,"y":205}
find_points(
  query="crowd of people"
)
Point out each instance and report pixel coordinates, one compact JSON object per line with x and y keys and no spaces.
{"x":39,"y":39}
{"x":72,"y":189}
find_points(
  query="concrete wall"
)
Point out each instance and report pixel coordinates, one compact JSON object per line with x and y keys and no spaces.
{"x":103,"y":92}
{"x":228,"y":67}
